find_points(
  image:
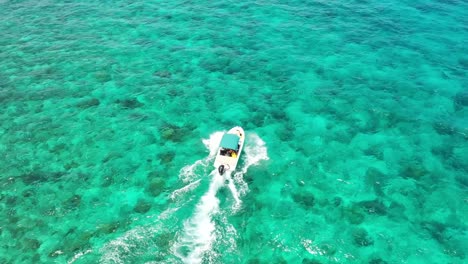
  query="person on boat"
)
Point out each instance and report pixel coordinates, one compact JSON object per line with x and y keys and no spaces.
{"x":233,"y":154}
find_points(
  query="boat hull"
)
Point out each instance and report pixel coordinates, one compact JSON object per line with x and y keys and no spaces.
{"x":229,"y":162}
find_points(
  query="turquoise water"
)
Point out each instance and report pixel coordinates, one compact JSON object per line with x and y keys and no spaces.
{"x":356,"y":115}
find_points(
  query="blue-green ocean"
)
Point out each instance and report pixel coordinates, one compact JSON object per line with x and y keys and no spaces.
{"x":355,"y":114}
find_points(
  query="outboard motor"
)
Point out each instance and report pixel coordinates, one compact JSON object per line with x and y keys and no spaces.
{"x":221,"y":169}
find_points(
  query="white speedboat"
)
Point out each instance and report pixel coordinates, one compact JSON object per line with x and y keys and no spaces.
{"x":229,"y":150}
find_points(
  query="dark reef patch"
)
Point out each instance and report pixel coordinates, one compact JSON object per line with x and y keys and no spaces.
{"x":375,"y":151}
{"x":310,"y":261}
{"x":375,"y":178}
{"x":305,"y":198}
{"x":361,"y":238}
{"x":248,"y":178}
{"x":254,"y":261}
{"x":142,"y":206}
{"x":71,"y":165}
{"x":162,"y":74}
{"x":163,"y":241}
{"x":31,"y":243}
{"x":111,"y":156}
{"x":107,"y":228}
{"x":156,"y":186}
{"x":11,"y":201}
{"x":130,"y":103}
{"x":337,"y":201}
{"x":460,"y":100}
{"x":328,"y":249}
{"x":107,"y":181}
{"x":88,"y":103}
{"x":280,"y":260}
{"x":377,"y":261}
{"x":215,"y":63}
{"x":166,"y":157}
{"x":373,"y":207}
{"x":414,"y":171}
{"x":354,"y":214}
{"x":440,"y":232}
{"x":175,"y":133}
{"x":40,"y":177}
{"x":102,"y":76}
{"x":396,"y":210}
{"x":32,"y":178}
{"x":444,"y":128}
{"x":73,"y":202}
{"x":462,"y":180}
{"x":444,"y":152}
{"x":435,"y":229}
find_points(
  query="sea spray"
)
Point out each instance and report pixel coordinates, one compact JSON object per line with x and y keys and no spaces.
{"x":213,"y":142}
{"x":234,"y":192}
{"x":208,"y":227}
{"x":254,"y":152}
{"x":187,"y":188}
{"x":79,"y":255}
{"x":188,"y":172}
{"x":199,"y":231}
{"x":125,"y":247}
{"x":191,"y":174}
{"x":128,"y":245}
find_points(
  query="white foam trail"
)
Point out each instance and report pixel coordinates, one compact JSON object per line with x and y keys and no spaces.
{"x":116,"y":250}
{"x":132,"y":242}
{"x":189,"y":172}
{"x":213,"y":142}
{"x":185,"y":189}
{"x":200,"y":231}
{"x":232,"y":234}
{"x":198,"y":234}
{"x":254,"y":152}
{"x":229,"y":236}
{"x":235,"y":193}
{"x":79,"y":255}
{"x":167,"y":213}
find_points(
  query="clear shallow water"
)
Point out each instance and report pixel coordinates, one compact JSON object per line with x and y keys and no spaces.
{"x":356,"y":113}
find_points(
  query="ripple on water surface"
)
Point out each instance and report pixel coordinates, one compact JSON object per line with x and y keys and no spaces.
{"x":109,"y":109}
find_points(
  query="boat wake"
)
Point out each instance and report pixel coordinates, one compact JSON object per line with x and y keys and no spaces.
{"x":192,"y":172}
{"x":255,"y":151}
{"x":197,"y":238}
{"x":202,"y":231}
{"x":199,"y":230}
